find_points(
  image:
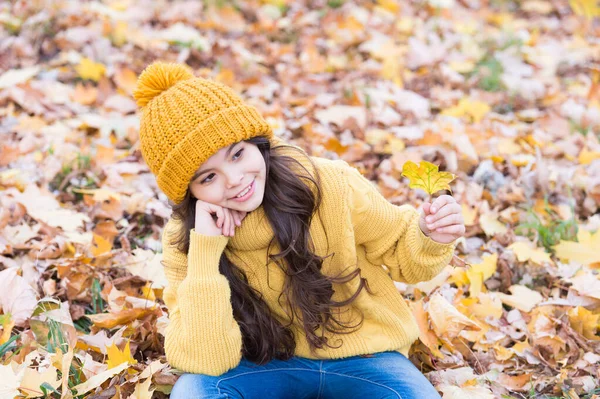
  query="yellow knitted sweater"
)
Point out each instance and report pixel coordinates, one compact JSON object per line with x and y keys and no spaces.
{"x":364,"y":230}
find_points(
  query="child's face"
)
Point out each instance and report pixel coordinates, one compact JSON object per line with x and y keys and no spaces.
{"x":226,"y":174}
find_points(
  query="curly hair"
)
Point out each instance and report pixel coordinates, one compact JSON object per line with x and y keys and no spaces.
{"x":289,"y":206}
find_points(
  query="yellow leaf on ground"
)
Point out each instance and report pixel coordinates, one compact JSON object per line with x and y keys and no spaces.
{"x":142,"y":390}
{"x":586,"y":8}
{"x":389,"y":5}
{"x":427,"y":177}
{"x":586,"y":283}
{"x":447,"y":321}
{"x":476,"y":110}
{"x":480,"y":272}
{"x":88,"y":69}
{"x":100,"y":245}
{"x":33,"y":379}
{"x":469,"y":214}
{"x":586,"y":157}
{"x":116,"y":356}
{"x":425,"y":334}
{"x":98,"y":379}
{"x":522,"y":298}
{"x":585,"y":251}
{"x":584,"y":322}
{"x":490,"y":224}
{"x":527,"y":251}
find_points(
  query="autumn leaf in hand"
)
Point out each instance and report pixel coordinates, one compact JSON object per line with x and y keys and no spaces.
{"x":426,"y":176}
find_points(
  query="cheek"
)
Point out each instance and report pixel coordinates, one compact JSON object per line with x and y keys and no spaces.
{"x":210,"y":193}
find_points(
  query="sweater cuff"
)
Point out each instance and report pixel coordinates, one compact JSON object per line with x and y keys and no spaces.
{"x":430,"y":246}
{"x":204,"y":253}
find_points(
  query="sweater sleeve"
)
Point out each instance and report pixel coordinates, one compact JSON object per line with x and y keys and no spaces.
{"x":391,"y":234}
{"x":202,"y":336}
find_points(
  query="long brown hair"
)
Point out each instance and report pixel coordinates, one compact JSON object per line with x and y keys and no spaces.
{"x":289,"y":206}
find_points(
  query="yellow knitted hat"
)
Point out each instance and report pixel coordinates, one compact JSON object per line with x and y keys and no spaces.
{"x":185,"y":120}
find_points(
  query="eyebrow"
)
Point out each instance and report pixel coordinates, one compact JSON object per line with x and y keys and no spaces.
{"x":198,"y":174}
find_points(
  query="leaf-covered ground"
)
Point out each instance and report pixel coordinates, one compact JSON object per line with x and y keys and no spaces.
{"x":504,"y":94}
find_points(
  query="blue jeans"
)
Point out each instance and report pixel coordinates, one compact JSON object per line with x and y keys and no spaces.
{"x":383,"y":375}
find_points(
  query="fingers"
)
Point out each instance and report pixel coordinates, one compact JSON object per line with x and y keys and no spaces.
{"x":228,"y":227}
{"x":450,"y":220}
{"x":426,"y":206}
{"x":220,"y":216}
{"x":454,"y":229}
{"x":445,"y":211}
{"x":237,"y":218}
{"x":441,"y":201}
{"x":449,"y":213}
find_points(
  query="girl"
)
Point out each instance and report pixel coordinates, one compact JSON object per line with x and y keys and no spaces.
{"x":275,"y":259}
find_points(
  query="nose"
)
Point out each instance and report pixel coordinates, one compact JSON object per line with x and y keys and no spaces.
{"x":234,"y":179}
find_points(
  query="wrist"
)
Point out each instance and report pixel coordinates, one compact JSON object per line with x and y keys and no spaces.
{"x":204,"y":253}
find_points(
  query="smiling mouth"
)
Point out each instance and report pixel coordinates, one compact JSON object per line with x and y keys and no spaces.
{"x":245,"y":188}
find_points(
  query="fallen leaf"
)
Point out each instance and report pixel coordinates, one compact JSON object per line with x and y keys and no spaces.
{"x":585,"y":251}
{"x":527,"y":251}
{"x":522,"y":298}
{"x":88,"y":69}
{"x":446,"y":320}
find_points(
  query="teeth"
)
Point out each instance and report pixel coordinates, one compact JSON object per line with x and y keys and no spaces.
{"x":243,"y":192}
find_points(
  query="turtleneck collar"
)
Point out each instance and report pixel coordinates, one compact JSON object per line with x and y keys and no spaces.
{"x":254,"y":233}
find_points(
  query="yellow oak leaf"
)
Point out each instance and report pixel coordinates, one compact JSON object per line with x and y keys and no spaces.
{"x":88,"y":69}
{"x":586,"y":8}
{"x":427,"y":177}
{"x":585,"y":251}
{"x":476,"y":110}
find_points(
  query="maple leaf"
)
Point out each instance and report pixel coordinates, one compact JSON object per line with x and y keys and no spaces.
{"x":427,"y":177}
{"x":117,"y":357}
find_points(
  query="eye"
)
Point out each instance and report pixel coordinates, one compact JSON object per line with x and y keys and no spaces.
{"x":206,"y":178}
{"x":238,"y":154}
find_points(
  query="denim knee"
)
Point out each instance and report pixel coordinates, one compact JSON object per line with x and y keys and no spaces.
{"x":196,"y":386}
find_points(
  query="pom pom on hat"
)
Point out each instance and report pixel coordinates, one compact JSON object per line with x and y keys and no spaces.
{"x":194,"y":118}
{"x":158,"y":77}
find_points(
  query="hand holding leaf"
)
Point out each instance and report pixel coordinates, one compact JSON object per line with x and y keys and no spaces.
{"x":442,"y":221}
